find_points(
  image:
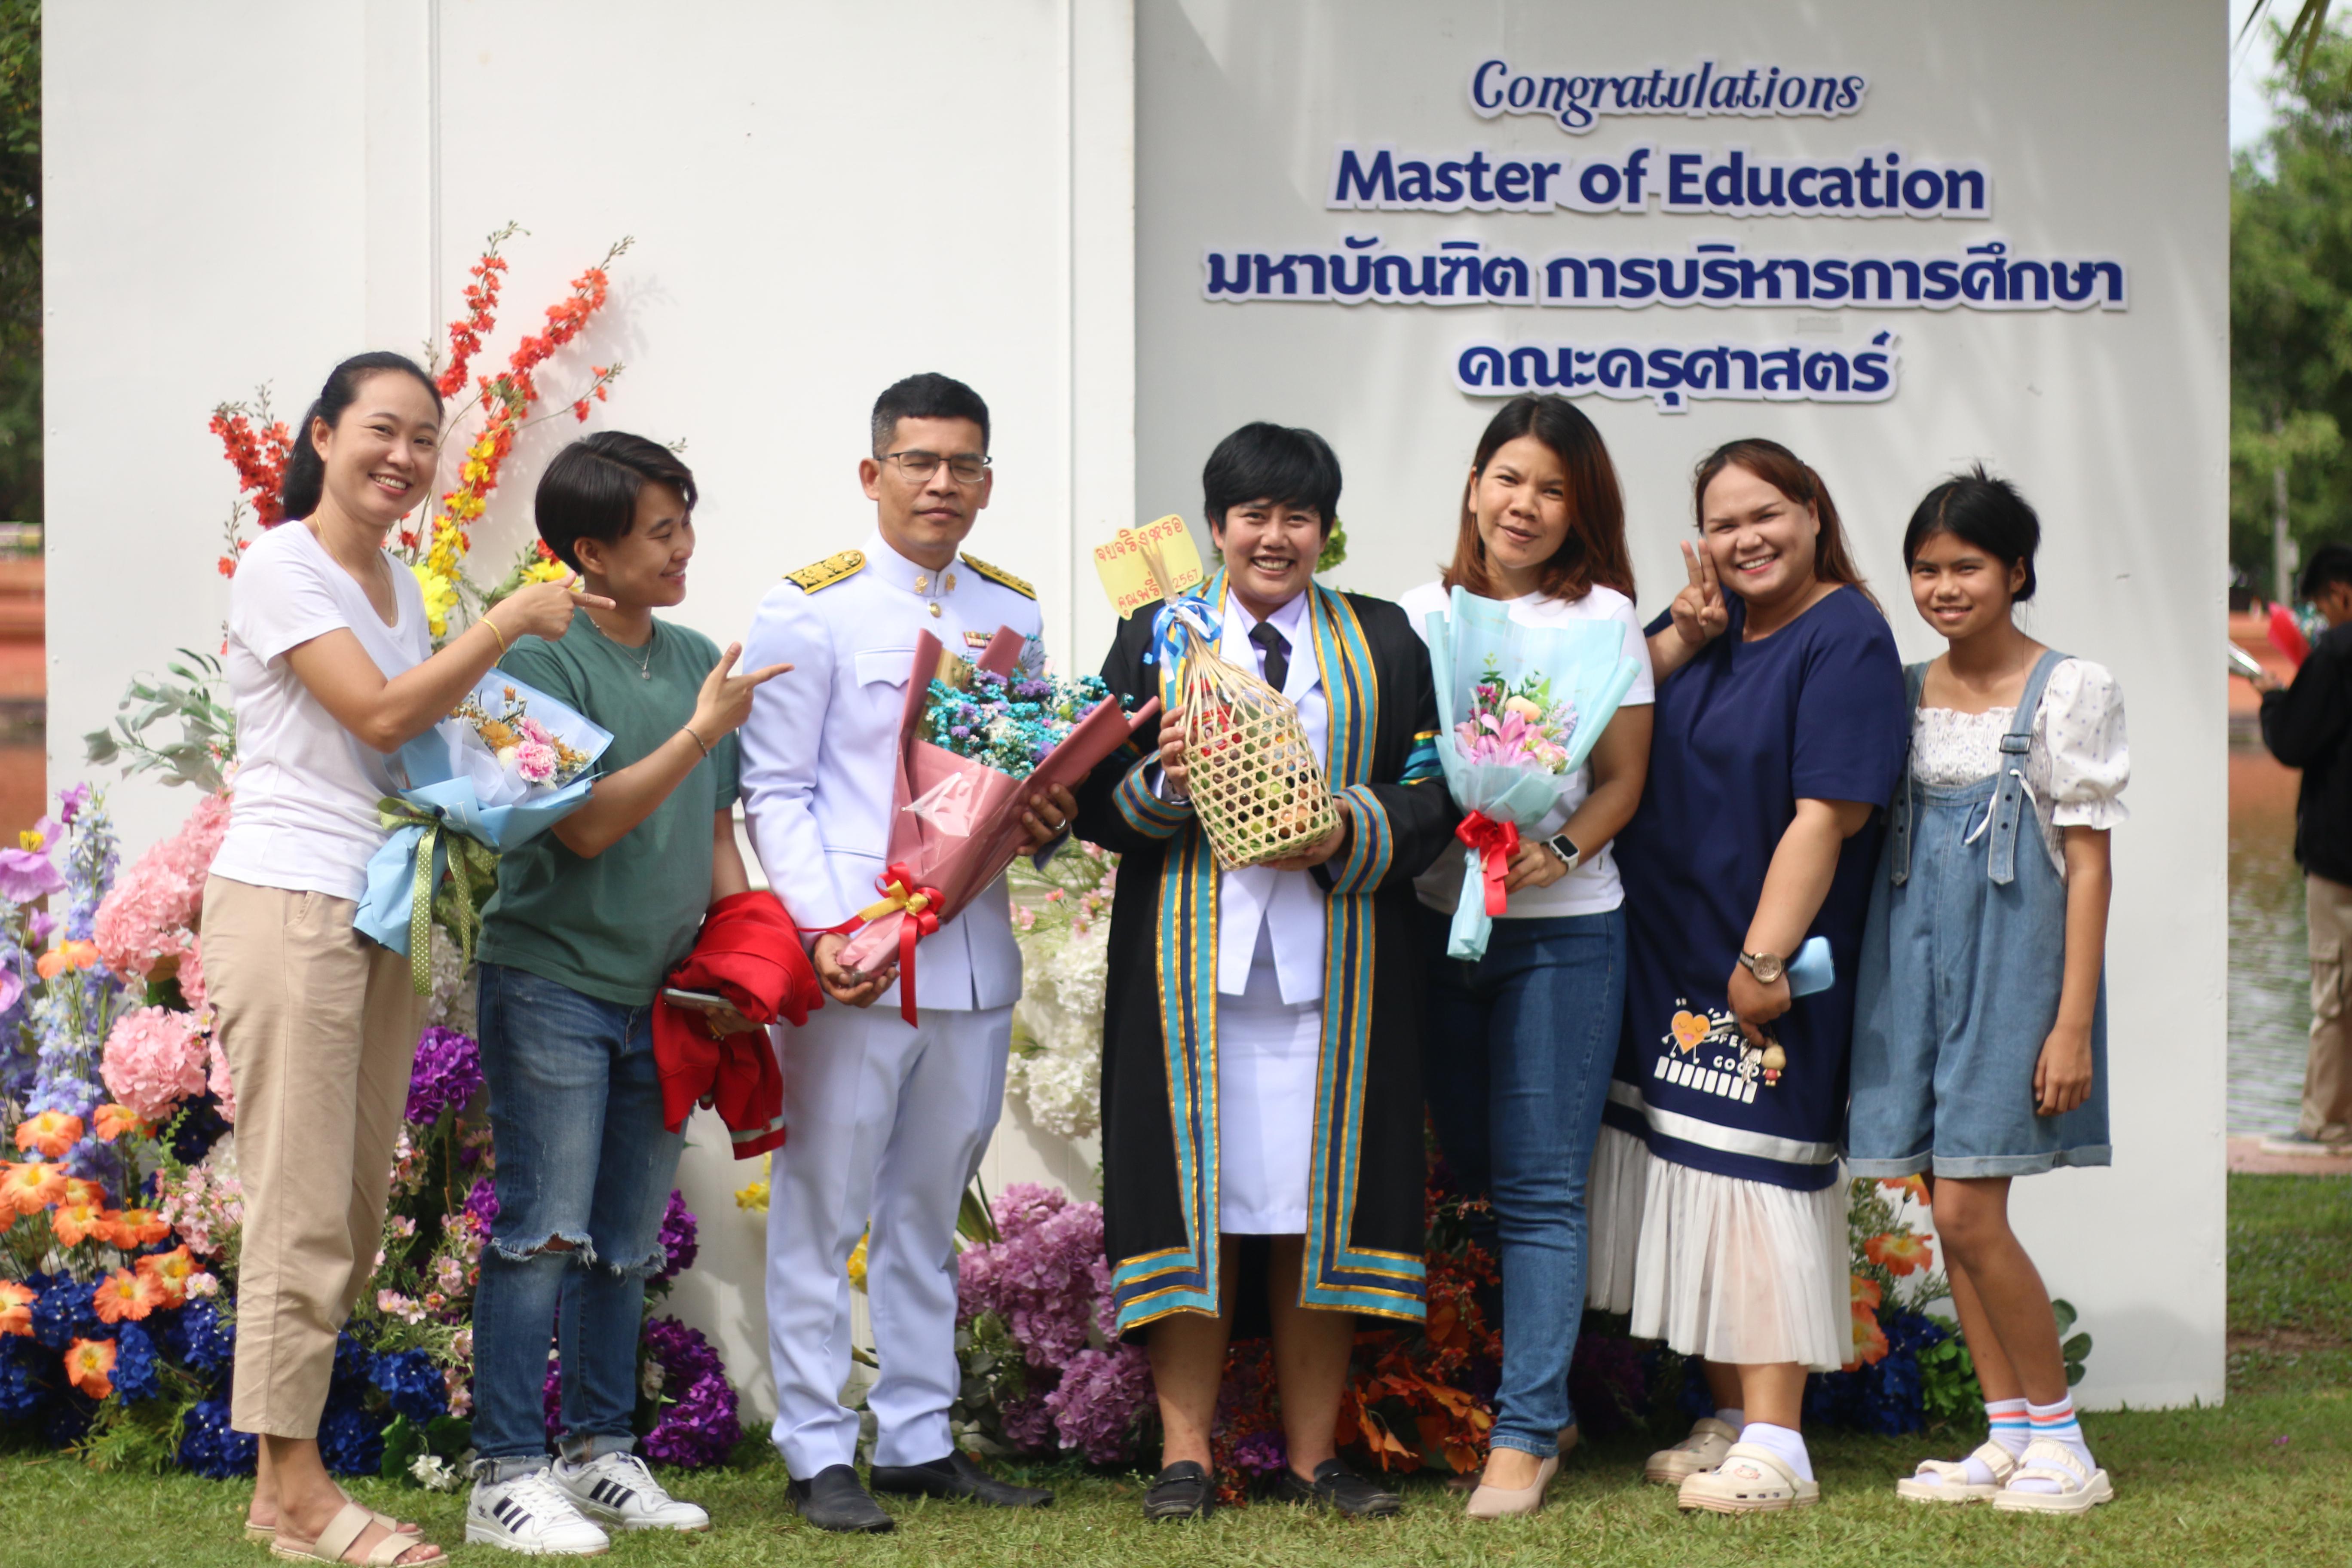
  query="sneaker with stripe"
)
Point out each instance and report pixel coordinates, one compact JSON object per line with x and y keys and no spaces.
{"x":617,"y":1489}
{"x":530,"y":1514}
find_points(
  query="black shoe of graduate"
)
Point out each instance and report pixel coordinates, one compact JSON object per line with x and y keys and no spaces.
{"x":832,"y":1500}
{"x":1182,"y":1491}
{"x":1340,"y":1489}
{"x":956,"y":1476}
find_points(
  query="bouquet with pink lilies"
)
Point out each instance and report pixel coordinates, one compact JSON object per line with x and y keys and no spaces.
{"x":1514,"y":734}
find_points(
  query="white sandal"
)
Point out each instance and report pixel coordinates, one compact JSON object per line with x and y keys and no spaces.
{"x":1752,"y":1479}
{"x":1709,"y":1441}
{"x":1953,"y":1484}
{"x":2079,"y":1490}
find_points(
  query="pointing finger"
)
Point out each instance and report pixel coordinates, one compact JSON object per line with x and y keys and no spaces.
{"x":762,"y":677}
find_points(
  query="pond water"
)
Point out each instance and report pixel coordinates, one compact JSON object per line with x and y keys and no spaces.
{"x":2270,"y":996}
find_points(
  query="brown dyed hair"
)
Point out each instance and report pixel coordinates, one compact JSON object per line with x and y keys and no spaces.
{"x":1594,"y":550}
{"x":1786,"y":472}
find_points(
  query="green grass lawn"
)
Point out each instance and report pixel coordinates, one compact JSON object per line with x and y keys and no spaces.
{"x":2266,"y":1477}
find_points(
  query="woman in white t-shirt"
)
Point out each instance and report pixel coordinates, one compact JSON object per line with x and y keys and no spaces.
{"x":1529,"y":1031}
{"x":331,"y":669}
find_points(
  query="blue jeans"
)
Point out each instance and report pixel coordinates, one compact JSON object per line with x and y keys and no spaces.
{"x":583,"y":1157}
{"x":1526,"y":1037}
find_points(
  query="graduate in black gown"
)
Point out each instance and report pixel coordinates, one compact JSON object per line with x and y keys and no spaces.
{"x":1296,"y":988}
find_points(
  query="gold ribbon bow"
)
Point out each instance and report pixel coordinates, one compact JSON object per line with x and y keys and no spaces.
{"x":471,"y":863}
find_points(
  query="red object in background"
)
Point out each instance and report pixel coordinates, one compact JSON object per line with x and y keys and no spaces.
{"x":750,"y":954}
{"x":2287,"y":638}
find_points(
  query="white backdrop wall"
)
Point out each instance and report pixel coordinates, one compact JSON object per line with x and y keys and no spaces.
{"x":825,"y":198}
{"x":2102,"y":130}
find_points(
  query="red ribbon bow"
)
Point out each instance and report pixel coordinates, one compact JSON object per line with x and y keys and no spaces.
{"x":915,"y":903}
{"x":1496,"y":843}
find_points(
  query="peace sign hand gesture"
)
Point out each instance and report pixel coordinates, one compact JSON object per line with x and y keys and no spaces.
{"x":1698,"y":610}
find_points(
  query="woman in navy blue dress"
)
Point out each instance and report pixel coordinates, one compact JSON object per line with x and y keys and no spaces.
{"x":1780,"y":725}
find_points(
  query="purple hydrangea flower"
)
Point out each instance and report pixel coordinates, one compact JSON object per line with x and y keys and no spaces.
{"x":1096,"y":1404}
{"x":448,"y":1072}
{"x":679,"y":1239}
{"x":1262,"y":1453}
{"x":482,"y":1203}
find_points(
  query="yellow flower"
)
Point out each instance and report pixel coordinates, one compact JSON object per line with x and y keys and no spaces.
{"x":440,"y":597}
{"x":474,"y":472}
{"x":857,"y":1263}
{"x":31,"y":841}
{"x":546,"y":572}
{"x":754,"y":1197}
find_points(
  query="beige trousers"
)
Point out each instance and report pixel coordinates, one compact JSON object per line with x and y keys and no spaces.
{"x":2327,"y":1075}
{"x":320,"y":1027}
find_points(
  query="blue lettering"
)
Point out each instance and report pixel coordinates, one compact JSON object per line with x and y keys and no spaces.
{"x":1543,"y":173}
{"x":1363,"y":180}
{"x":1487,"y":108}
{"x":1598,"y":184}
{"x":1449,"y":184}
{"x":1511,"y":182}
{"x":1682,"y":185}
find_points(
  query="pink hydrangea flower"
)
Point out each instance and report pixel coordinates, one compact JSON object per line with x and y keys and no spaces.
{"x":150,"y":914}
{"x":154,"y":1059}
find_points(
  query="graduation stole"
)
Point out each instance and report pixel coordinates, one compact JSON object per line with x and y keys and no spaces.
{"x":1341,"y":1278}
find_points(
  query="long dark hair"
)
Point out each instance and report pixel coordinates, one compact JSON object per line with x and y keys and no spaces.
{"x":305,"y":471}
{"x":1594,"y":550}
{"x":1787,"y":473}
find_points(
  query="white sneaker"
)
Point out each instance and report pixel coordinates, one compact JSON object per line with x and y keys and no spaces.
{"x":531,"y":1515}
{"x":617,"y":1489}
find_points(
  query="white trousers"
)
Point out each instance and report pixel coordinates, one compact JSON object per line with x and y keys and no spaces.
{"x":884,"y":1125}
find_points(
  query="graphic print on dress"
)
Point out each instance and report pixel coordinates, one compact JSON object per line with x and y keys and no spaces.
{"x":1706,"y":1052}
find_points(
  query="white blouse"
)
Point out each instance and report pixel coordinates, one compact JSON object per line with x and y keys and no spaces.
{"x":2078,"y":765}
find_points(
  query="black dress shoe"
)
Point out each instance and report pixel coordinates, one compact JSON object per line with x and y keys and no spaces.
{"x":1340,"y":1489}
{"x":1182,"y":1491}
{"x":832,"y":1500}
{"x":956,"y":1477}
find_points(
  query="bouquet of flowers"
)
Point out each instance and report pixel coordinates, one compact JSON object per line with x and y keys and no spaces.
{"x":1513,"y":735}
{"x":958,"y":796}
{"x":506,"y":766}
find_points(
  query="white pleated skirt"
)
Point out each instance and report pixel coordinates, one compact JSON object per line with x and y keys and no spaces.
{"x":1268,"y":1054}
{"x":1613,"y":1194}
{"x":1741,"y":1272}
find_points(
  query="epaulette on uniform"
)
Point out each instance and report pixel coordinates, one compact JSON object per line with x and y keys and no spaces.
{"x":999,"y":574}
{"x":831,"y":570}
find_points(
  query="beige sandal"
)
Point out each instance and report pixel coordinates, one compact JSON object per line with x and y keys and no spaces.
{"x":2079,"y":1490}
{"x":1953,"y":1484}
{"x":1751,"y":1480}
{"x":349,"y":1524}
{"x":263,"y":1534}
{"x":1709,"y":1441}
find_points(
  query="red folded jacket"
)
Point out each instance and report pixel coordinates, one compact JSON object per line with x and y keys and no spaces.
{"x":749,"y":954}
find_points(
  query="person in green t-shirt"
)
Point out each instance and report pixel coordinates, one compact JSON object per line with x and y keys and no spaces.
{"x":587,"y":920}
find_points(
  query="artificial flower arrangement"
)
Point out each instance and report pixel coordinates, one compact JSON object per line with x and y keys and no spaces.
{"x":1061,"y":918}
{"x":1513,"y":735}
{"x":957,"y":803}
{"x":507,"y":764}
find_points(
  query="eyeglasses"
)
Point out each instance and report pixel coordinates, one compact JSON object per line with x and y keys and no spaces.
{"x":920,"y":466}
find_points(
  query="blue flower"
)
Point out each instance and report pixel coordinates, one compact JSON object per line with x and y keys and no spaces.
{"x":63,"y":1312}
{"x":352,"y":1360}
{"x":350,"y":1440}
{"x":134,"y":1364}
{"x":210,"y":1446}
{"x":22,"y":1389}
{"x":413,"y":1384}
{"x":201,"y":1339}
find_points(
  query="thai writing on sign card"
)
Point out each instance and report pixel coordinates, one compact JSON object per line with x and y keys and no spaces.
{"x":1126,"y":564}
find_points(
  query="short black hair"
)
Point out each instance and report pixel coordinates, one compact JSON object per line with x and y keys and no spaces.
{"x":1276,"y":463}
{"x":930,"y":395}
{"x":589,"y":491}
{"x":2328,"y":564}
{"x":1980,"y":509}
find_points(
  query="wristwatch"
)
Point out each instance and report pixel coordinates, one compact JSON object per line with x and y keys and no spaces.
{"x":1767,"y":967}
{"x":1570,"y":857}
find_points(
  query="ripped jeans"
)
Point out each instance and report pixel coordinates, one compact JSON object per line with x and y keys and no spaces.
{"x":582,"y":1158}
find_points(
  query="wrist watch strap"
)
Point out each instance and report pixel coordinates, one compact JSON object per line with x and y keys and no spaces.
{"x":1570,"y":857}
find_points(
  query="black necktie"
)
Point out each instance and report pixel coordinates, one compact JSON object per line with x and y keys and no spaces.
{"x":1274,"y":653}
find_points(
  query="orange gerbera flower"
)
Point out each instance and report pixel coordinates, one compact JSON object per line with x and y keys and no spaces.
{"x":113,"y":1120}
{"x":170,"y":1271}
{"x":29,"y":1188}
{"x":123,"y":1294}
{"x":135,"y":1227}
{"x":16,"y":1308}
{"x":64,"y":956}
{"x":52,"y":1132}
{"x":76,"y":1223}
{"x":80,"y":1192}
{"x":1914,"y":1186}
{"x":90,"y":1366}
{"x":1900,"y":1252}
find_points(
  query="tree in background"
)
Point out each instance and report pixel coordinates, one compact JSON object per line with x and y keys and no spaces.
{"x":2291,"y":317}
{"x":20,"y":260}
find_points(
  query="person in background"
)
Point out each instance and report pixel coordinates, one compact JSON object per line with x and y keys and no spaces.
{"x":1779,"y":735}
{"x":587,"y":920}
{"x":887,"y":1123}
{"x":1980,"y":1022}
{"x":331,"y":669}
{"x":2308,"y":725}
{"x":1262,"y":1113}
{"x":1531,"y":1028}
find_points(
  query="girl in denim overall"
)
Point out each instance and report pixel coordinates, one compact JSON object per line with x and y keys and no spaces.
{"x":1980,"y":1040}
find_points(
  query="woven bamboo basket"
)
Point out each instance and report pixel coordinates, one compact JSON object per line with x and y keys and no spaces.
{"x":1255,"y":784}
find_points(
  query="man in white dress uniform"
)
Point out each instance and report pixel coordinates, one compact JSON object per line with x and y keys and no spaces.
{"x":886,"y":1123}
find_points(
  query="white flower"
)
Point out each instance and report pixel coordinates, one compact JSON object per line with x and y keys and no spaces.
{"x":433,"y":1473}
{"x":1061,"y":1010}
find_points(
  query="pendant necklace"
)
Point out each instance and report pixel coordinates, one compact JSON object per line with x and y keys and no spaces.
{"x":644,"y":665}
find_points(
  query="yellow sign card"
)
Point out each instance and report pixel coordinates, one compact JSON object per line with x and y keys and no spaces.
{"x":1124,"y":565}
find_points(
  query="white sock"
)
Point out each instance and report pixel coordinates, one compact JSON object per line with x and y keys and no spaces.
{"x":2057,"y":1424}
{"x":1735,"y":1419}
{"x":2009,"y":1427}
{"x":1786,"y":1444}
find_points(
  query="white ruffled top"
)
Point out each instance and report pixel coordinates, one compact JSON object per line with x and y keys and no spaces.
{"x":2078,"y":765}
